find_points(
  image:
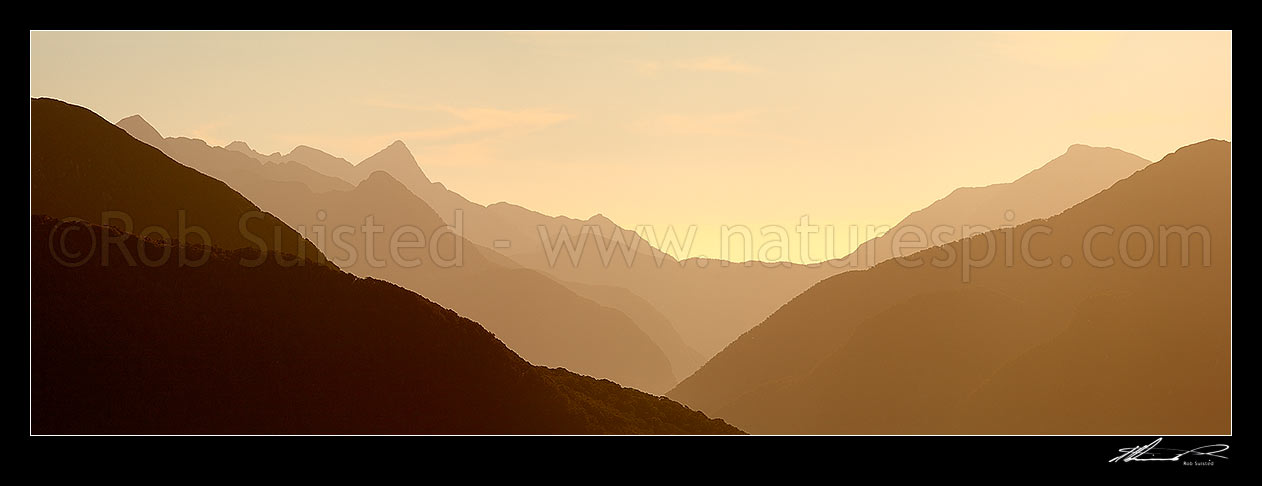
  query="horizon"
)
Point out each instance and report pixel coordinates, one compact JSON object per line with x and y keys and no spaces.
{"x":858,"y":234}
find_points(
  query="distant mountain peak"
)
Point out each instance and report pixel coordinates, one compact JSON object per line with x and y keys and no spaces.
{"x":397,"y":160}
{"x":137,"y":119}
{"x":1079,"y":148}
{"x":139,"y":129}
{"x":239,"y":146}
{"x":1080,"y":157}
{"x":398,"y":151}
{"x":307,"y":151}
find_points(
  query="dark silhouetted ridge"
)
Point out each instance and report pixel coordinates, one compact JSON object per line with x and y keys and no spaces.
{"x":222,"y":348}
{"x":84,"y":167}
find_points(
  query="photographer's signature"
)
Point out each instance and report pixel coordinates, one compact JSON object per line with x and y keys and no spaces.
{"x":1151,"y":452}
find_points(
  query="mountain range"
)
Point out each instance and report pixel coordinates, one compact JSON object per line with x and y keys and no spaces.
{"x":474,"y":322}
{"x":705,"y":303}
{"x":238,"y":337}
{"x":222,"y":348}
{"x":1079,"y":173}
{"x":85,"y":167}
{"x":537,"y":316}
{"x":1045,"y":338}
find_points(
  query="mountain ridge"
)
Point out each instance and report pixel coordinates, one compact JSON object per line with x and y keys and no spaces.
{"x":407,"y":366}
{"x":865,"y":360}
{"x":86,"y":167}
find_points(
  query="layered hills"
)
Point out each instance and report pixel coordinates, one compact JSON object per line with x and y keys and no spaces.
{"x":225,"y":348}
{"x":84,"y":167}
{"x":1111,"y":317}
{"x":378,"y":227}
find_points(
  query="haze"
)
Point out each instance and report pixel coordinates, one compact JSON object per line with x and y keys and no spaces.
{"x":670,"y":128}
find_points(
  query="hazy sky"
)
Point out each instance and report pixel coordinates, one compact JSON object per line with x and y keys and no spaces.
{"x":669,"y":128}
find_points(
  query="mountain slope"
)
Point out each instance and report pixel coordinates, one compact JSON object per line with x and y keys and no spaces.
{"x":1018,"y":346}
{"x":709,"y":308}
{"x":313,"y":158}
{"x":710,"y":302}
{"x":535,"y":315}
{"x":229,"y":164}
{"x":222,"y":348}
{"x":684,"y":360}
{"x":396,"y":160}
{"x":1081,"y":172}
{"x":141,"y":130}
{"x":82,"y":166}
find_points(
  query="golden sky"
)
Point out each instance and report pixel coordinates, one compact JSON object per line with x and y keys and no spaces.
{"x":669,"y":128}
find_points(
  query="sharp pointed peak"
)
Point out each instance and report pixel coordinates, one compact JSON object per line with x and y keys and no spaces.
{"x":398,"y":161}
{"x":397,"y":150}
{"x":140,"y":129}
{"x":134,"y":119}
